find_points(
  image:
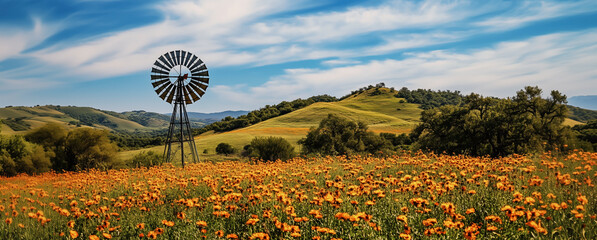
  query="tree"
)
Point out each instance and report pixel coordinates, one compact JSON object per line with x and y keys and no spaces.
{"x":19,"y":156}
{"x":225,"y":148}
{"x":270,"y":148}
{"x":52,"y":137}
{"x":87,"y":148}
{"x":337,"y":135}
{"x":497,"y":127}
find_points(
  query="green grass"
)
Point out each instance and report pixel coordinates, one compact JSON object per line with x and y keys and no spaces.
{"x":382,"y":113}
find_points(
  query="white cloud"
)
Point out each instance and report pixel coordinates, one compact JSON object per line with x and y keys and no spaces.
{"x":531,"y":11}
{"x":14,"y":41}
{"x":562,"y":62}
{"x":336,"y":62}
{"x":251,"y":32}
{"x":332,"y":26}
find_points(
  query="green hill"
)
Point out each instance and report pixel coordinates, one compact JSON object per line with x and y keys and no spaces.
{"x":17,"y":120}
{"x":383,"y":112}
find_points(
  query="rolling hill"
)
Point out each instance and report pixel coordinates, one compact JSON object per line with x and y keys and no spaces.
{"x":18,"y":120}
{"x":382,"y":113}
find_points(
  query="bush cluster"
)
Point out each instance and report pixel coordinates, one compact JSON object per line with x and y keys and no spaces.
{"x":489,"y":126}
{"x":54,"y":147}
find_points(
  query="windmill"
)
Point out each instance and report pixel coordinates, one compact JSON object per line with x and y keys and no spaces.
{"x":180,"y":77}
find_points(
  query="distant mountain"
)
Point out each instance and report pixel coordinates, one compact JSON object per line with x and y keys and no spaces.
{"x":213,"y":117}
{"x":587,"y":102}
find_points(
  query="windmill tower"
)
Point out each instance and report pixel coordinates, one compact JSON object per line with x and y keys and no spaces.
{"x":179,"y":77}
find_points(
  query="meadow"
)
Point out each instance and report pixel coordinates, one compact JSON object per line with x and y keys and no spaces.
{"x":405,"y":196}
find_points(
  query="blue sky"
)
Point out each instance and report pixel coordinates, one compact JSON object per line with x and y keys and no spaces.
{"x":99,"y":53}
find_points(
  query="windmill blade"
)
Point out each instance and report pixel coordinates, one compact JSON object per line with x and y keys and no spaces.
{"x":165,"y":62}
{"x":183,"y":56}
{"x":197,"y":63}
{"x":200,"y":84}
{"x":197,"y":89}
{"x":157,"y":83}
{"x":201,"y":74}
{"x":159,"y":90}
{"x":178,"y":59}
{"x":157,"y":77}
{"x":155,"y":70}
{"x":199,"y":69}
{"x":171,"y":95}
{"x":158,"y":64}
{"x":193,"y":94}
{"x":165,"y":93}
{"x":186,"y":96}
{"x":173,"y":57}
{"x":169,"y":59}
{"x":188,"y":65}
{"x":186,"y":60}
{"x":204,"y":81}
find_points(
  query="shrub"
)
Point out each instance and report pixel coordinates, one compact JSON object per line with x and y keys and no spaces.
{"x":20,"y":156}
{"x":87,"y":148}
{"x":225,"y":148}
{"x":338,"y":135}
{"x":145,"y":159}
{"x":270,"y":148}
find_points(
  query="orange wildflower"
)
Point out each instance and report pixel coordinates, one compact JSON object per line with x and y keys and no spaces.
{"x":73,"y":234}
{"x":252,"y":221}
{"x":259,"y":235}
{"x":405,"y":236}
{"x":429,"y":222}
{"x":582,"y":199}
{"x":168,"y":223}
{"x":537,"y":227}
{"x":402,"y":218}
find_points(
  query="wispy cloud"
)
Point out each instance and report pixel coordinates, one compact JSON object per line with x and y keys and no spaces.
{"x":547,"y":61}
{"x":237,"y":32}
{"x":14,"y":41}
{"x":252,"y":33}
{"x":529,"y":11}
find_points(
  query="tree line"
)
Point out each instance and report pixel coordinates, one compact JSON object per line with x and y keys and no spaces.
{"x":471,"y":125}
{"x":52,"y":147}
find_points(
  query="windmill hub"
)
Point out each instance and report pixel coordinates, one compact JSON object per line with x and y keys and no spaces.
{"x":180,"y":77}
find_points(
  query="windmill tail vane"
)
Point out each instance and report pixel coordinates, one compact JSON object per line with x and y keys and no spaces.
{"x":180,"y":77}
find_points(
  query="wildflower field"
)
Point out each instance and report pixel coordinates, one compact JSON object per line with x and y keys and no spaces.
{"x":407,"y":196}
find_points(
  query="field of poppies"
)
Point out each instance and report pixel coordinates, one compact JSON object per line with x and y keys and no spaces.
{"x":407,"y":196}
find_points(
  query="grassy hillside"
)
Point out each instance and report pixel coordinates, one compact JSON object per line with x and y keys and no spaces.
{"x":18,"y":120}
{"x":382,"y":112}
